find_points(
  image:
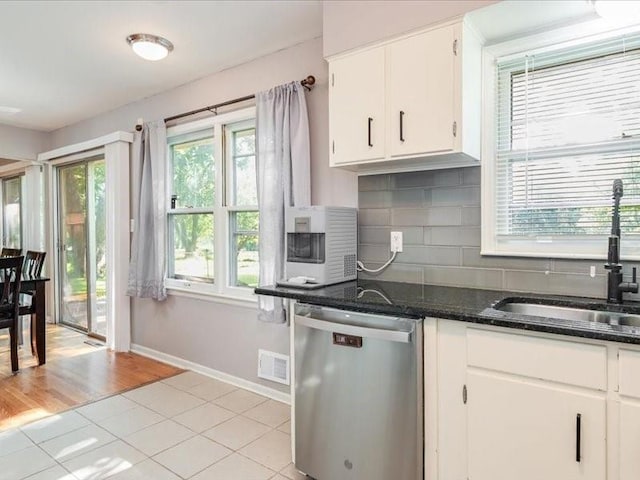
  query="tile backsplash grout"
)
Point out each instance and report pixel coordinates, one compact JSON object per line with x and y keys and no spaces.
{"x":439,"y":215}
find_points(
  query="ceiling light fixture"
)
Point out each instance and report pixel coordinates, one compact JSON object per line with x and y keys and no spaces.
{"x":625,"y":11}
{"x":9,"y":110}
{"x":150,"y":47}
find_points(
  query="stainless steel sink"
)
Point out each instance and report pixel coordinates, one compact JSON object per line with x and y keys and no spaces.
{"x":568,"y":313}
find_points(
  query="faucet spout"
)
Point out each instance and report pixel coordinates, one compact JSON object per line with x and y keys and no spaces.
{"x":615,"y":284}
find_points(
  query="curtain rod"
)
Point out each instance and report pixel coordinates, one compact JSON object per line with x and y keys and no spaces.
{"x":307,"y":83}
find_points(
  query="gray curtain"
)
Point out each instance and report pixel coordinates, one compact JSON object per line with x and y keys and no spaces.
{"x":282,"y":127}
{"x":148,"y":256}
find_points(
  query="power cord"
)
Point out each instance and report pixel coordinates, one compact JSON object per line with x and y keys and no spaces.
{"x":362,"y":268}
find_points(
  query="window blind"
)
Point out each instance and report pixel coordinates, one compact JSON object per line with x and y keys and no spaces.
{"x":567,"y":125}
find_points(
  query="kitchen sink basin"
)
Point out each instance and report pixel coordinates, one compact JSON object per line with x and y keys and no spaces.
{"x":571,"y":314}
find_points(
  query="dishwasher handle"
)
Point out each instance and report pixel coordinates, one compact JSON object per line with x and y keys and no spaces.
{"x":365,"y":332}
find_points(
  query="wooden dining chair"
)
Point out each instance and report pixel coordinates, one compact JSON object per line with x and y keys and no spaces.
{"x":10,"y":275}
{"x":10,"y":252}
{"x":33,"y":263}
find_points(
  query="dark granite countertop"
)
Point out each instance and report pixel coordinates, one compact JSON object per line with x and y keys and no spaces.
{"x":464,"y":304}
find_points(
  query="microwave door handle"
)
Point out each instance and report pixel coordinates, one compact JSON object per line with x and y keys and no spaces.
{"x":365,"y":332}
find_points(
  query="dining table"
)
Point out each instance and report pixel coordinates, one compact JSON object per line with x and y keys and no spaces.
{"x":35,"y":286}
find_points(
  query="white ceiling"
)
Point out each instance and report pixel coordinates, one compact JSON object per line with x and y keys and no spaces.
{"x":65,"y":61}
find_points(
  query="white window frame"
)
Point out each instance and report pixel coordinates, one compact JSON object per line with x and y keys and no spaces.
{"x":220,"y":290}
{"x":587,"y":249}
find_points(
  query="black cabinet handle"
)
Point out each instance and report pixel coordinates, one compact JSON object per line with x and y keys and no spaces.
{"x":401,"y":126}
{"x":578,"y":433}
{"x":369,"y":133}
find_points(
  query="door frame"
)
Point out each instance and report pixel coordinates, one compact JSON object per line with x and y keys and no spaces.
{"x":116,"y":147}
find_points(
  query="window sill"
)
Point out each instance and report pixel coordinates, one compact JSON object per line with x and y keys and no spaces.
{"x":250,"y":300}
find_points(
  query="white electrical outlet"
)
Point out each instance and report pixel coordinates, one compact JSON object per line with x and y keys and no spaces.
{"x":396,"y":242}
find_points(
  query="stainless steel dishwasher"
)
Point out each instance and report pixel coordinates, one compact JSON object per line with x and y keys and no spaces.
{"x":358,"y":395}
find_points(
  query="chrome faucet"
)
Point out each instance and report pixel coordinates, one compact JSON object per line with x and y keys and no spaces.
{"x":615,"y":286}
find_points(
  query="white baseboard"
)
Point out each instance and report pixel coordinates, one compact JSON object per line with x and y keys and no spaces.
{"x":210,"y":372}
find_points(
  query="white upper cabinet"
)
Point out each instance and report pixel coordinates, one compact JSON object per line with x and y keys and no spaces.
{"x":357,"y":114}
{"x":421,"y":105}
{"x":408,"y":104}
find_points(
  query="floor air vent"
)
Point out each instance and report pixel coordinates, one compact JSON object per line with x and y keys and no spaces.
{"x":273,"y":366}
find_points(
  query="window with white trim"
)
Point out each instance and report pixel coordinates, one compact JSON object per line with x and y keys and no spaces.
{"x":566,"y":125}
{"x":212,"y":212}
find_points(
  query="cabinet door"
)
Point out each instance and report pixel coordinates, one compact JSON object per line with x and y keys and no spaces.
{"x":629,"y":440}
{"x":529,"y":431}
{"x":356,"y":107}
{"x":420,"y":72}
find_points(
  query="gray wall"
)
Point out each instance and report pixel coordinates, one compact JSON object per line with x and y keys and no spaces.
{"x":439,"y":215}
{"x":22,"y":143}
{"x":210,"y":333}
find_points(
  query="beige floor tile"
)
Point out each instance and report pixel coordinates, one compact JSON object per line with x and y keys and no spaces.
{"x":53,"y":473}
{"x":12,"y":441}
{"x":159,"y":437}
{"x":235,"y":467}
{"x":105,"y":461}
{"x":147,"y":470}
{"x":270,"y":413}
{"x":186,"y":380}
{"x":272,"y":450}
{"x":237,"y":432}
{"x":174,"y":403}
{"x":25,"y":462}
{"x":239,"y":400}
{"x":278,"y":477}
{"x":131,"y":421}
{"x":211,"y":389}
{"x":106,"y":408}
{"x":150,"y":393}
{"x":54,"y":426}
{"x":76,"y":443}
{"x":290,"y":472}
{"x":191,"y":456}
{"x":204,"y":417}
{"x":285,"y":427}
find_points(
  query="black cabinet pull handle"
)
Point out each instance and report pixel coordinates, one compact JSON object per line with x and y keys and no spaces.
{"x":401,"y":126}
{"x":578,"y":433}
{"x":369,"y":142}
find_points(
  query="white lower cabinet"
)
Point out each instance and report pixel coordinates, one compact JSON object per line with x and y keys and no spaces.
{"x":629,"y":440}
{"x":528,"y":430}
{"x":629,"y":389}
{"x":519,"y":405}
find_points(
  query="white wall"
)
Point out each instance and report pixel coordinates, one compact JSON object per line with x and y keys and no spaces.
{"x":349,"y":24}
{"x":22,"y":143}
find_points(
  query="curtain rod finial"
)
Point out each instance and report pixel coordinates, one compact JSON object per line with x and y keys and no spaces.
{"x":139,"y":124}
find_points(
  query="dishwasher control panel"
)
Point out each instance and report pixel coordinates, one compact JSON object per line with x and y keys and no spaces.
{"x":347,"y":340}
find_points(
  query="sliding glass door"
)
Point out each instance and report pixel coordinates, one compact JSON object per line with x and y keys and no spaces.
{"x":81,"y":243}
{"x":12,"y":189}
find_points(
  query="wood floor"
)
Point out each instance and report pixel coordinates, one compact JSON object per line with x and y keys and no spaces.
{"x":76,"y":372}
